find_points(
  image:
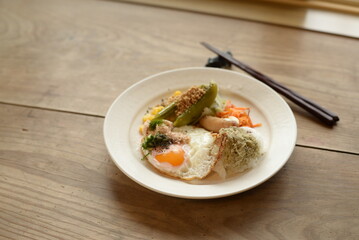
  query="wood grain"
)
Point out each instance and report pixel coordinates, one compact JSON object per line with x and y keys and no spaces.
{"x":343,"y":6}
{"x":58,"y":182}
{"x":305,"y":15}
{"x":78,"y":56}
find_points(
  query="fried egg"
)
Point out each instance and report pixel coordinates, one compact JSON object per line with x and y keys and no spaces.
{"x":193,"y":160}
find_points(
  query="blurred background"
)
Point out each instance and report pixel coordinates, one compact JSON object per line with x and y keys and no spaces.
{"x":331,"y":16}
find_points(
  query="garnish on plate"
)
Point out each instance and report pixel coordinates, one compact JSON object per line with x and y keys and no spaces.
{"x":193,"y":133}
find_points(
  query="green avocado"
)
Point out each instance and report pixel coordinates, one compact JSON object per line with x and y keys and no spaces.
{"x":194,"y":112}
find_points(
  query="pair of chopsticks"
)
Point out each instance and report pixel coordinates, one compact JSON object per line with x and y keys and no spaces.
{"x":318,"y":111}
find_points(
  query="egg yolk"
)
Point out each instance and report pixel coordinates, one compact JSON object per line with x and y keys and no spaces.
{"x":175,"y":157}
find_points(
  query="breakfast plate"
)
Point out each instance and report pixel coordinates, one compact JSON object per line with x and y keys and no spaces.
{"x":122,"y":137}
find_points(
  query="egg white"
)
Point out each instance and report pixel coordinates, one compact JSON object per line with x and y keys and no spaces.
{"x":199,"y":158}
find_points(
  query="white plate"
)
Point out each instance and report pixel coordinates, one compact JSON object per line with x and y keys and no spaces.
{"x":122,"y":138}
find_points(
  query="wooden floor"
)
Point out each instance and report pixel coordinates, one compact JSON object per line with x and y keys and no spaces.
{"x":62,"y":63}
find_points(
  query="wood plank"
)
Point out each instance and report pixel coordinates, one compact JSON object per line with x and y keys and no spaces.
{"x":57,"y":181}
{"x":341,"y":6}
{"x":317,"y":16}
{"x":80,"y":55}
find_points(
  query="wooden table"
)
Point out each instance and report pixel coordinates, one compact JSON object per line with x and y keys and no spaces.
{"x":62,"y":63}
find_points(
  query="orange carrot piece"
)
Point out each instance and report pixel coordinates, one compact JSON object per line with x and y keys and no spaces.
{"x":241,"y":113}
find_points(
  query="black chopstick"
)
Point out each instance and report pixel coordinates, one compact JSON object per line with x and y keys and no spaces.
{"x":320,"y":112}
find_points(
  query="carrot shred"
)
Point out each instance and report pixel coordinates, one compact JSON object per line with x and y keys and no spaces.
{"x":241,"y":113}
